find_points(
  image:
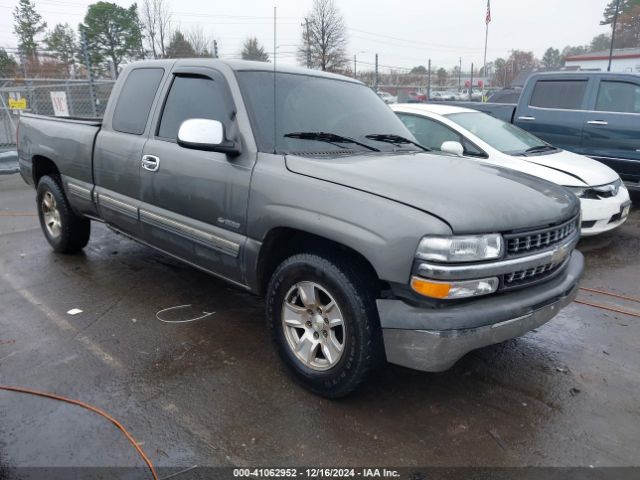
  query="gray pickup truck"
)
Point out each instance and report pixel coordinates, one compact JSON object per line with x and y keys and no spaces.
{"x":304,"y":187}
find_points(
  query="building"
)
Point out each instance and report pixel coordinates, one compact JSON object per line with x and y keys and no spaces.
{"x":624,"y":60}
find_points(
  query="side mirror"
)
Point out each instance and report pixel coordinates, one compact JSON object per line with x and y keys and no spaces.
{"x":205,"y":134}
{"x":454,"y":148}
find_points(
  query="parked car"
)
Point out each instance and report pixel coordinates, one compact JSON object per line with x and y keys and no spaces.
{"x":476,"y":95}
{"x":591,"y":113}
{"x":461,"y":131}
{"x":387,"y":97}
{"x":416,"y":97}
{"x":316,"y":196}
{"x":436,"y":97}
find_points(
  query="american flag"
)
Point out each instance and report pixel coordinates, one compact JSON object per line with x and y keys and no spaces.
{"x":488,"y":19}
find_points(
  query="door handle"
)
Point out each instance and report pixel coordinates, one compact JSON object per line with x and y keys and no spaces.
{"x":598,"y":122}
{"x":151,"y":163}
{"x":527,"y":118}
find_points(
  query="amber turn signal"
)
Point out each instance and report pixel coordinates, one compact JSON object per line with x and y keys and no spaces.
{"x":430,"y":289}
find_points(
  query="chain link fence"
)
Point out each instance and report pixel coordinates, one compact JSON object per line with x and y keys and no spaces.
{"x":67,"y":98}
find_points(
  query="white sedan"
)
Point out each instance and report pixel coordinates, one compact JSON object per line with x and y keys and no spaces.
{"x":465,"y":132}
{"x":387,"y":97}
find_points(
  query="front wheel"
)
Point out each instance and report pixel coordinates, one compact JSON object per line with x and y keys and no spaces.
{"x":322,"y":317}
{"x":65,"y":231}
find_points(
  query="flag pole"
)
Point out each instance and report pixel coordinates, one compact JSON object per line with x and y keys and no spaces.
{"x":484,"y":68}
{"x":486,"y":40}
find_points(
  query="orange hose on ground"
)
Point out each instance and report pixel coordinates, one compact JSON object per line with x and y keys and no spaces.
{"x":93,"y":409}
{"x":616,"y":295}
{"x":611,"y":309}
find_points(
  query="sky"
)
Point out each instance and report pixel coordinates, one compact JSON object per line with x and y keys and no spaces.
{"x":404,"y":33}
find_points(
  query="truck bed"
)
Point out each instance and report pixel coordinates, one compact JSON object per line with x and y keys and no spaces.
{"x":67,"y":141}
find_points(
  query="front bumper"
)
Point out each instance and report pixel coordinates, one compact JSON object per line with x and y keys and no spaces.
{"x":604,"y":214}
{"x":434,"y":339}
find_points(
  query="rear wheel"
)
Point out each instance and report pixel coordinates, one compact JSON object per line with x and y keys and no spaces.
{"x":65,"y":231}
{"x":322,"y":317}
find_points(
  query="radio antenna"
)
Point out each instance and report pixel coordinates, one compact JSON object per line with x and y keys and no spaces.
{"x":275,"y":114}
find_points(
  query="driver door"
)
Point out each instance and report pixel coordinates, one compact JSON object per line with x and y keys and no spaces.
{"x":194,"y":202}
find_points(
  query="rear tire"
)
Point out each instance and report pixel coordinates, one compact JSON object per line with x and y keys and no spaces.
{"x":323,"y":320}
{"x":65,"y":231}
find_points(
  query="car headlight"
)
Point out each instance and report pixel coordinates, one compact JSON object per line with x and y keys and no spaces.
{"x":458,"y":249}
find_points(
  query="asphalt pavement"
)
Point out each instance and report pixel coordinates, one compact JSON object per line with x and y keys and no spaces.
{"x":213,"y":393}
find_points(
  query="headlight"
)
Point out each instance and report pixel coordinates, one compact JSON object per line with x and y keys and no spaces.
{"x":468,"y":248}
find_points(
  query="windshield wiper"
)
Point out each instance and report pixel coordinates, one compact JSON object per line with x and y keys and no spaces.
{"x":395,"y":139}
{"x":540,"y":148}
{"x":329,"y":138}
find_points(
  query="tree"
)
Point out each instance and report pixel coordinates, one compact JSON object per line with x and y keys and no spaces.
{"x":179,"y":47}
{"x":150,"y":25}
{"x":7,"y":64}
{"x":551,"y":58}
{"x":112,"y":33}
{"x":610,"y":10}
{"x":419,"y":70}
{"x":505,"y":71}
{"x":324,"y":37}
{"x":442,"y":77}
{"x":28,"y":25}
{"x":202,"y":44}
{"x":252,"y":50}
{"x":62,"y":41}
{"x":629,"y":29}
{"x":156,"y":22}
{"x":600,"y":42}
{"x":570,"y":51}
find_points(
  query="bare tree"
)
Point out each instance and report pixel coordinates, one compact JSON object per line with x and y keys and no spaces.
{"x":156,"y":20}
{"x":201,"y":42}
{"x":324,"y":37}
{"x":163,"y":18}
{"x":149,"y":23}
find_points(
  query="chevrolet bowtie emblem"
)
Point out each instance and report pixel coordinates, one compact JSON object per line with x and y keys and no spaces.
{"x":559,"y":254}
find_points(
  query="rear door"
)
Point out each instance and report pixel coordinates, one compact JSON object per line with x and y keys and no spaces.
{"x":118,"y":149}
{"x":194,"y":202}
{"x":553,"y":110}
{"x":612,"y":126}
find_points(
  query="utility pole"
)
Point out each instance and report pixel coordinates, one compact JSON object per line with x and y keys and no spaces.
{"x":354,"y":65}
{"x":376,"y":74}
{"x":87,"y":64}
{"x":429,"y":81}
{"x":613,"y":34}
{"x":215,"y":49}
{"x":460,"y":75}
{"x":471,"y":83}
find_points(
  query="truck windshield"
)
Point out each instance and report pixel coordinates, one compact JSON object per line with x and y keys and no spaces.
{"x":309,"y":108}
{"x":502,"y":136}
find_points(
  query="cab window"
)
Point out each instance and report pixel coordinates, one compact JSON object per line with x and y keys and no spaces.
{"x":618,"y":97}
{"x":193,"y":97}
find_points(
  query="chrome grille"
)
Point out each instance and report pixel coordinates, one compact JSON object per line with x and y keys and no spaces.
{"x":531,"y":275}
{"x":527,"y":242}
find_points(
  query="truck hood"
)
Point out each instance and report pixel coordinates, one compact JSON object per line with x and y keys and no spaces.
{"x":566,"y":168}
{"x":470,"y":196}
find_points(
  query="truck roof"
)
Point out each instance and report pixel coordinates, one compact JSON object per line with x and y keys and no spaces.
{"x":583,"y":73}
{"x":238,"y":65}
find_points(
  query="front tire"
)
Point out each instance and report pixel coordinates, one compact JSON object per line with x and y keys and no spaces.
{"x":65,"y":231}
{"x":323,"y":321}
